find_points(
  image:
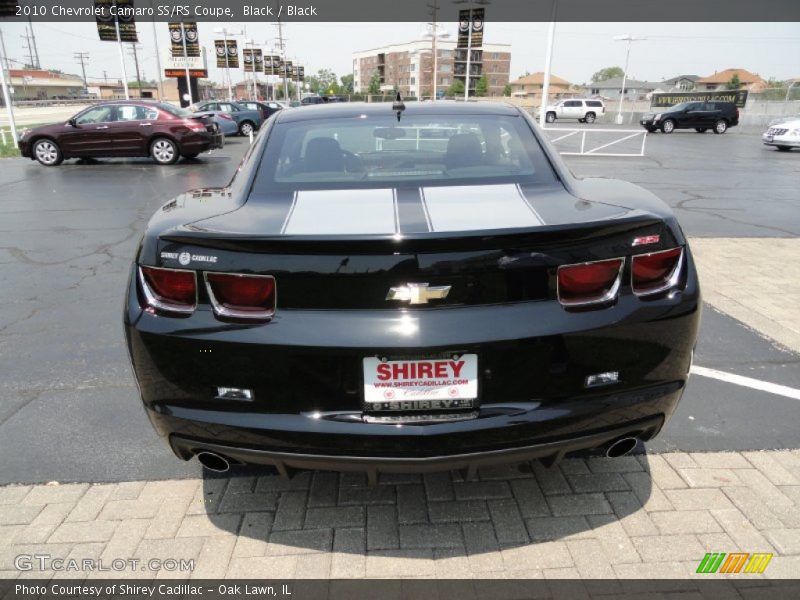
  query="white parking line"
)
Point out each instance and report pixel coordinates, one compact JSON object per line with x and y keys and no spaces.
{"x":756,"y":384}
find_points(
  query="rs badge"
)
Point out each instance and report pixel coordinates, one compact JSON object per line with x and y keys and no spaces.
{"x":418,"y":293}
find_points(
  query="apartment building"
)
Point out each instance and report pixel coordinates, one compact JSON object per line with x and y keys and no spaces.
{"x":409,"y":67}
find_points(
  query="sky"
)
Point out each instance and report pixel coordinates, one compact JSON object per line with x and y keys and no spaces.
{"x":769,"y":49}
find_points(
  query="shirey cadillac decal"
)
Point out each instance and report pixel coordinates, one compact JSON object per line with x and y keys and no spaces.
{"x":185,"y":258}
{"x":444,"y":208}
{"x":434,"y":384}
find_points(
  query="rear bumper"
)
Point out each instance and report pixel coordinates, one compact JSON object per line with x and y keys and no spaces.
{"x":548,"y":452}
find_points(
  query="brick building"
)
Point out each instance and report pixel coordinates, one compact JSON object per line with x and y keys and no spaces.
{"x":409,"y":67}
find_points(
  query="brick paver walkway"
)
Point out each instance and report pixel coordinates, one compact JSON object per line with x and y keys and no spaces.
{"x":634,"y":517}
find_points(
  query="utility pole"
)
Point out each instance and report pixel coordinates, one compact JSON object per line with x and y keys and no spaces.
{"x":35,"y":49}
{"x":434,"y":34}
{"x":29,"y":48}
{"x":282,"y":46}
{"x":81,"y":57}
{"x":136,"y":62}
{"x":3,"y":50}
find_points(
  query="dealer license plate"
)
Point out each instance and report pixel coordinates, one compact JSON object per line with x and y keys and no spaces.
{"x":428,"y":384}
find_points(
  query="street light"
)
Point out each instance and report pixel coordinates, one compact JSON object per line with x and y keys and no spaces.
{"x":469,"y":38}
{"x":630,"y":39}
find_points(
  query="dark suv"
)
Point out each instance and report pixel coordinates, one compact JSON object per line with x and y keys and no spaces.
{"x":714,"y":115}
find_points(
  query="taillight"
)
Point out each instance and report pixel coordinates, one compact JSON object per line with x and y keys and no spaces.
{"x":241,"y":296}
{"x":589,"y":283}
{"x":656,"y":272}
{"x":172,"y":290}
{"x":194,"y":125}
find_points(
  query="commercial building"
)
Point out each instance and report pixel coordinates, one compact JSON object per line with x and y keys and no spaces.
{"x":38,"y":84}
{"x":409,"y":67}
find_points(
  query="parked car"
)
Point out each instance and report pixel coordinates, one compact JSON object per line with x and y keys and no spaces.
{"x":784,"y":136}
{"x":267,"y":109}
{"x":585,"y":111}
{"x":446,"y":302}
{"x":248,"y":120}
{"x":126,"y":128}
{"x":226,"y":123}
{"x":321,"y":100}
{"x":700,"y":116}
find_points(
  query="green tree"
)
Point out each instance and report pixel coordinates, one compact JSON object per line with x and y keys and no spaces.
{"x":374,"y":84}
{"x":482,"y":87}
{"x":326,"y":78}
{"x":734,"y":83}
{"x":456,"y":88}
{"x":347,"y":84}
{"x":507,"y":90}
{"x":607,"y":73}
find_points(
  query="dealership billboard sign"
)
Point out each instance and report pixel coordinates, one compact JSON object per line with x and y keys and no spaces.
{"x":227,"y":54}
{"x":665,"y":100}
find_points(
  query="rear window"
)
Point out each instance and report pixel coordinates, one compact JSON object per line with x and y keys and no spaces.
{"x":593,"y":103}
{"x":378,"y":151}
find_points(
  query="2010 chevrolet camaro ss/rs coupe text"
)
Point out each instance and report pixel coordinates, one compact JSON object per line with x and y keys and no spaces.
{"x":421,"y":287}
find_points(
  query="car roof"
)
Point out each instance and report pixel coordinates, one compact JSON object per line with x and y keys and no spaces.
{"x":414,"y":108}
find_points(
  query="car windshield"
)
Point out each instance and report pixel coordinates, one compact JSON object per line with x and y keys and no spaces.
{"x":377,"y":151}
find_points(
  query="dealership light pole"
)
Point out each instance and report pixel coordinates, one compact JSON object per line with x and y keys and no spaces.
{"x":630,"y":39}
{"x":158,"y":61}
{"x":186,"y":58}
{"x":7,"y":95}
{"x":548,"y":59}
{"x":469,"y":40}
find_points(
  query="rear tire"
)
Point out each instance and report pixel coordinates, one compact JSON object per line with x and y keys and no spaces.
{"x":700,"y":129}
{"x":164,"y":151}
{"x":48,"y":153}
{"x":246,"y":128}
{"x":589,"y":118}
{"x":721,"y":126}
{"x":668,"y":126}
{"x":550,"y":117}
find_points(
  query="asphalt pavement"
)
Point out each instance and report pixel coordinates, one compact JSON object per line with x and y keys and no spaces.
{"x":69,"y":409}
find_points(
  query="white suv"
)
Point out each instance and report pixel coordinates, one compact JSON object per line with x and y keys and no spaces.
{"x":585,"y":111}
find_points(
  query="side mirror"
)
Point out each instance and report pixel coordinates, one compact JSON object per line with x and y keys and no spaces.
{"x":72,"y":122}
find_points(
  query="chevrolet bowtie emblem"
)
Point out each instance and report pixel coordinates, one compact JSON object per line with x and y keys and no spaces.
{"x":418,"y":293}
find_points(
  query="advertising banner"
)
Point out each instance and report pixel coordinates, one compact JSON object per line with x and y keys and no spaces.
{"x":107,"y":24}
{"x":464,"y":24}
{"x":272,"y":64}
{"x":665,"y":100}
{"x":226,"y":56}
{"x":176,"y":35}
{"x":253,"y":60}
{"x":8,"y":8}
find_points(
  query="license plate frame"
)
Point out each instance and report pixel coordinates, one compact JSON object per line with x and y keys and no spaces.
{"x":447,"y":383}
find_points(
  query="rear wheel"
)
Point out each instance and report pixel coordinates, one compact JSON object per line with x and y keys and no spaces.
{"x":164,"y":151}
{"x":246,"y":128}
{"x":48,"y":153}
{"x":668,"y":126}
{"x":589,"y":118}
{"x":721,"y":126}
{"x":550,"y":117}
{"x":700,"y":129}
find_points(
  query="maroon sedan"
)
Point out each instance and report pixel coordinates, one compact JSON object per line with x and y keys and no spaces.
{"x":124,"y":128}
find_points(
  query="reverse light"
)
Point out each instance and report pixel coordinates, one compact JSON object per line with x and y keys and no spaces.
{"x":171,"y":290}
{"x":656,"y":272}
{"x":241,"y":296}
{"x":589,"y":283}
{"x":600,"y":379}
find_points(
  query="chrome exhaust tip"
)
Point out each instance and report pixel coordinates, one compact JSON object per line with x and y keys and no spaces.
{"x":621,"y":447}
{"x":213,"y":461}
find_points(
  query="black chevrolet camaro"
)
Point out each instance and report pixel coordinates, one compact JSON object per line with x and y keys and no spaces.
{"x":409,"y":288}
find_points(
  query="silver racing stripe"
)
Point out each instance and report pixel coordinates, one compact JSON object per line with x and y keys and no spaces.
{"x":342,"y":212}
{"x":470,"y":208}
